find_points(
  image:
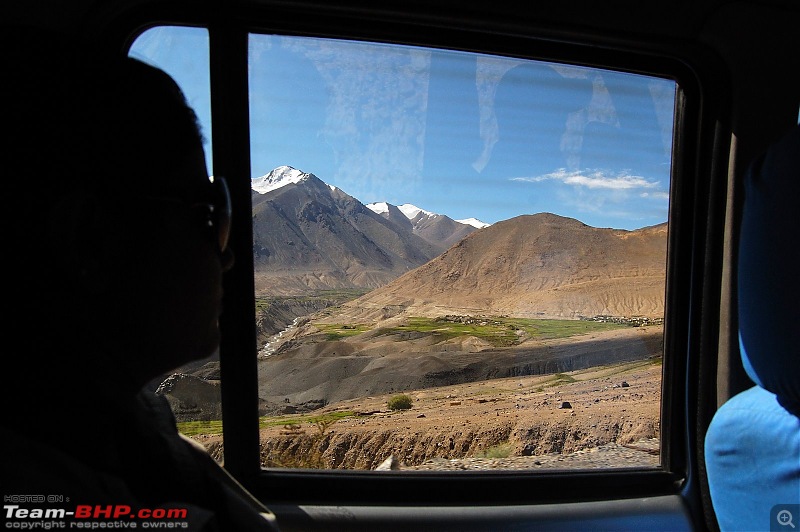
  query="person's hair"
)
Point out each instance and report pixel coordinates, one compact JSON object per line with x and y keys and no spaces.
{"x":78,"y":122}
{"x":95,"y":122}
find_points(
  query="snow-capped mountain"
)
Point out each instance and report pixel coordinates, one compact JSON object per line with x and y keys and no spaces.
{"x":435,"y":228}
{"x":474,"y":222}
{"x":308,"y":235}
{"x":413,"y":212}
{"x":287,"y":175}
{"x":277,"y":178}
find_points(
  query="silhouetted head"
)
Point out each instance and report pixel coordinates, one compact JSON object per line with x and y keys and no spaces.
{"x":116,"y":269}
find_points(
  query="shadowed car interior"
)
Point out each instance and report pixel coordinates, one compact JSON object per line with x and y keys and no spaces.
{"x":488,"y":272}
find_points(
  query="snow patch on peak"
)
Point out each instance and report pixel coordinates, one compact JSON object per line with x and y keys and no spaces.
{"x":277,"y":178}
{"x":474,"y":222}
{"x":411,"y":211}
{"x":379,"y":208}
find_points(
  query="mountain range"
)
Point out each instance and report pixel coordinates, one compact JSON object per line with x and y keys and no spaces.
{"x":540,"y":265}
{"x":309,"y":236}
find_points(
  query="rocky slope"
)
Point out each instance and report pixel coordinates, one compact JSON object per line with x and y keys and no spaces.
{"x":310,"y":236}
{"x":310,"y":372}
{"x":540,"y":265}
{"x":602,"y":417}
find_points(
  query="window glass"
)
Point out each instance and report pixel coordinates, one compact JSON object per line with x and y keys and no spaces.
{"x":459,"y":258}
{"x":193,"y":391}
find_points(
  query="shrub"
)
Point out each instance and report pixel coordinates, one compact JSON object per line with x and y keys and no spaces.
{"x":400,"y":402}
{"x":501,"y":450}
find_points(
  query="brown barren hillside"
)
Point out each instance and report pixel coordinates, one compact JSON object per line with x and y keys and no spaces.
{"x":540,"y":265}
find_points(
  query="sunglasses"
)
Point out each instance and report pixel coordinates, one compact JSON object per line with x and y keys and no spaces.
{"x":218,"y":217}
{"x":214,"y":214}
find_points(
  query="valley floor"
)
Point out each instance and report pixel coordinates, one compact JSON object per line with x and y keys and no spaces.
{"x":606,"y":416}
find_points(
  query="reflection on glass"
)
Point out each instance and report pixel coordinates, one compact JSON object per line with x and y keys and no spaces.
{"x":460,"y":258}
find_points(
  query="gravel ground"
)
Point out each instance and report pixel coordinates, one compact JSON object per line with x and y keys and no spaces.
{"x":641,"y":454}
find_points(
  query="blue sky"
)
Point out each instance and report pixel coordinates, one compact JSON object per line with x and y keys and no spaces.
{"x":453,"y":133}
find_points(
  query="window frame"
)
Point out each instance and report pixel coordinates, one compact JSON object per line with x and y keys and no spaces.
{"x":696,"y":223}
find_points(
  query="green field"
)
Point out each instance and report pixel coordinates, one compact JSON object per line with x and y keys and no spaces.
{"x":320,"y":422}
{"x":499,"y":331}
{"x":324,"y":296}
{"x":193,"y":428}
{"x":338,"y":331}
{"x":316,"y":420}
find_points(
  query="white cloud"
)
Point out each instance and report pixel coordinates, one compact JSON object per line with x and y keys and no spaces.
{"x":655,"y":195}
{"x":593,"y":180}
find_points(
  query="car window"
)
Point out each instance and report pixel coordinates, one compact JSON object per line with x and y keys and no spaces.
{"x":182,"y":51}
{"x":459,"y":258}
{"x":193,"y":391}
